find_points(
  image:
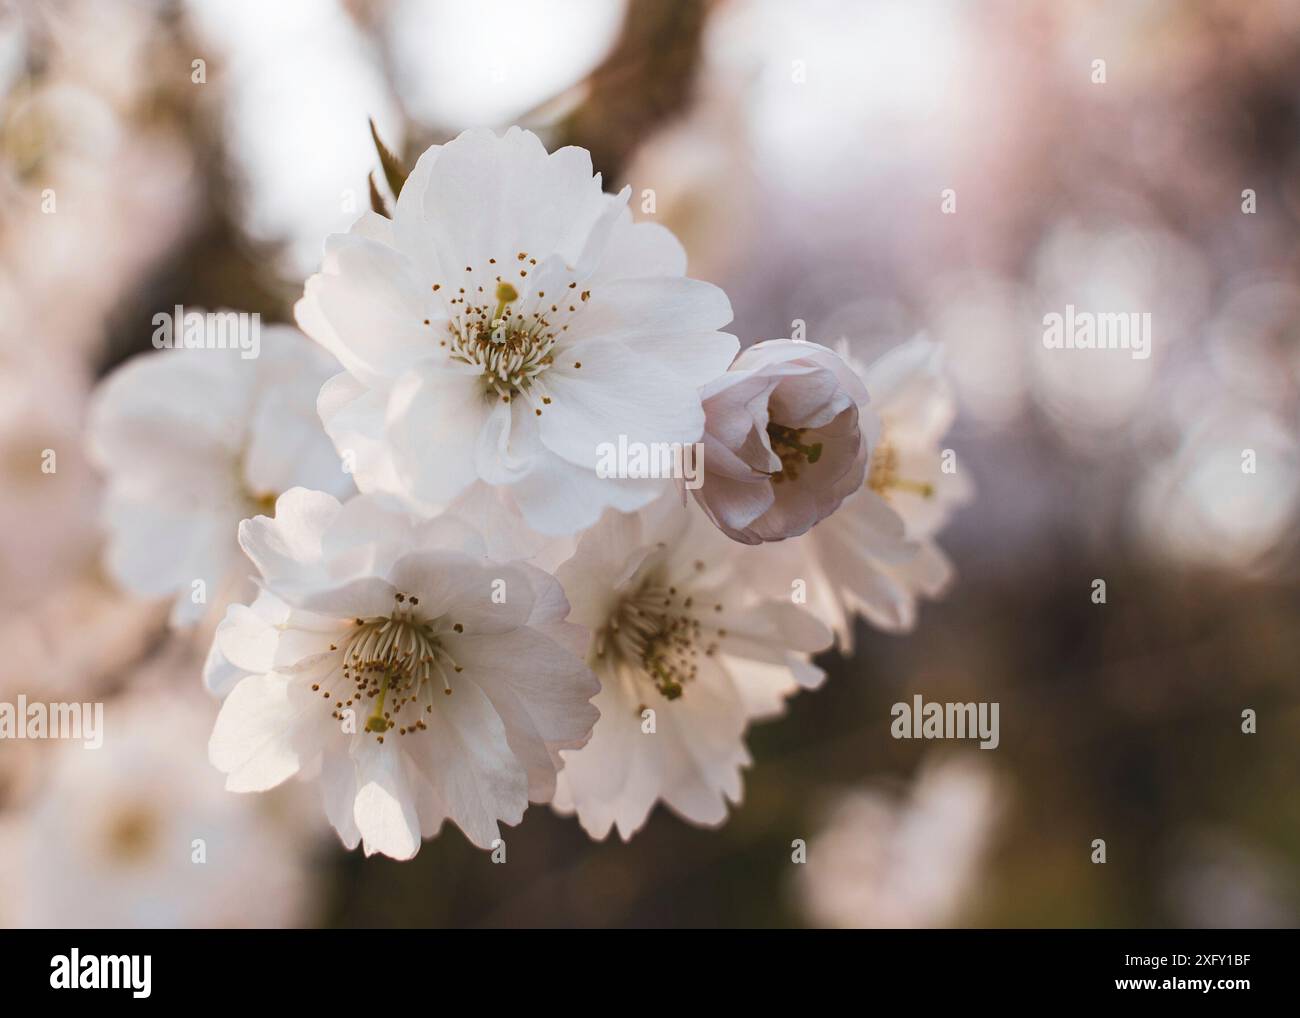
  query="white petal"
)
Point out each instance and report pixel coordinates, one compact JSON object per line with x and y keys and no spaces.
{"x":434,"y":418}
{"x":287,"y":547}
{"x":616,"y":393}
{"x":289,"y":449}
{"x":160,"y":547}
{"x":782,"y":626}
{"x":559,"y":498}
{"x":483,"y":196}
{"x":595,"y":778}
{"x":368,"y":308}
{"x":465,"y":757}
{"x":636,"y":250}
{"x":384,"y":808}
{"x":363,"y":597}
{"x":246,"y":639}
{"x":219,"y":675}
{"x":481,"y":597}
{"x":541,"y":693}
{"x":544,"y":681}
{"x":641,"y":312}
{"x":505,"y":450}
{"x":263,"y":731}
{"x":338,"y":788}
{"x":353,"y":417}
{"x":173,"y":414}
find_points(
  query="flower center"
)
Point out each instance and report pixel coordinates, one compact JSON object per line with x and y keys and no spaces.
{"x":882,"y":476}
{"x":513,"y":349}
{"x":512,"y":339}
{"x":253,"y":501}
{"x":789,"y":445}
{"x":132,"y":834}
{"x":262,"y":504}
{"x":656,"y":631}
{"x":392,"y":662}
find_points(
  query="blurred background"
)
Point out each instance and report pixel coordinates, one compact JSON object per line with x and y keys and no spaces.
{"x":873,"y":170}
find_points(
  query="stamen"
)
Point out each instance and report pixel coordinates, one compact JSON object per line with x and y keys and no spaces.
{"x":788,"y":444}
{"x":512,"y":345}
{"x":655,"y":632}
{"x":393,"y":660}
{"x":882,"y":477}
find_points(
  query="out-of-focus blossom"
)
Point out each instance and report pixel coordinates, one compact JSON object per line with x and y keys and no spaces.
{"x":92,"y":237}
{"x":1253,"y":336}
{"x":486,"y":63}
{"x":986,"y":324}
{"x":912,"y":395}
{"x":191,"y":441}
{"x":696,"y":177}
{"x":826,"y":80}
{"x":140,"y":832}
{"x":1229,"y":495}
{"x":783,"y":442}
{"x":301,"y":167}
{"x":1151,"y":281}
{"x":47,"y":488}
{"x":92,"y":190}
{"x":421,"y":681}
{"x":45,"y":656}
{"x":687,"y":656}
{"x":55,"y":133}
{"x":507,"y":325}
{"x":1219,"y":881}
{"x":882,"y":861}
{"x":107,"y":49}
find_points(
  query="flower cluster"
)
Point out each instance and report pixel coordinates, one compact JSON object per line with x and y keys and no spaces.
{"x":458,"y":608}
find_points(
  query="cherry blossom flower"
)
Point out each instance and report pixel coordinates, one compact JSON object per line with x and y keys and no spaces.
{"x":48,"y":489}
{"x":192,"y":441}
{"x":506,"y":323}
{"x":420,"y":680}
{"x":140,"y":833}
{"x":876,"y":556}
{"x":782,"y":443}
{"x":687,"y":657}
{"x":1226,"y":498}
{"x":882,"y":862}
